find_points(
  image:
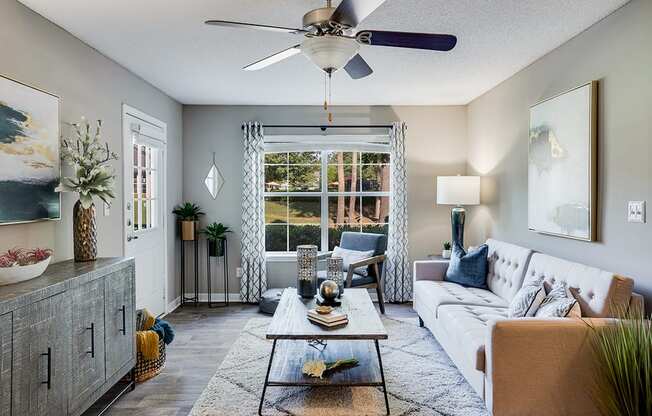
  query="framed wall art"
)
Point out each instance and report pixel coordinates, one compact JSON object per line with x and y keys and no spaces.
{"x":562,"y":164}
{"x":30,"y":168}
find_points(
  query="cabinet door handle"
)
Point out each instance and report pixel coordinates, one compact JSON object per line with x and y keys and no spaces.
{"x":92,"y":351}
{"x":49,"y":376}
{"x":124,"y":320}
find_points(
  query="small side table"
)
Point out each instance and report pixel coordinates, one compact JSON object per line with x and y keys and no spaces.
{"x":225,"y":263}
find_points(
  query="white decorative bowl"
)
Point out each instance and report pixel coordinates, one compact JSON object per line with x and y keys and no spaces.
{"x":17,"y":274}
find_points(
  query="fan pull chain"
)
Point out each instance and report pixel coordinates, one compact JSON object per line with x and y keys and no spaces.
{"x":330,"y":99}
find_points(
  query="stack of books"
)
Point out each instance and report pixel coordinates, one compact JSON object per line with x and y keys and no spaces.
{"x":330,"y":320}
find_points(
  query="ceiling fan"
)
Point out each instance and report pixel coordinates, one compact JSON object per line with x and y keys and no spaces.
{"x":331,"y":42}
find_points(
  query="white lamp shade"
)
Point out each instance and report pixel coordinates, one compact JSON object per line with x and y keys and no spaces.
{"x":458,"y":190}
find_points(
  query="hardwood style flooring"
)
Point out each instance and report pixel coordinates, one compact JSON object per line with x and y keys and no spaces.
{"x":203,"y":337}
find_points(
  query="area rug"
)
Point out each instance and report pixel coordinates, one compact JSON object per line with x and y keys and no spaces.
{"x":421,"y":381}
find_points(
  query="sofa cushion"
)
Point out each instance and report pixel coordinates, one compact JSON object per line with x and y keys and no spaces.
{"x":435,"y":294}
{"x":506,"y":265}
{"x":467,"y":327}
{"x":600,"y":294}
{"x":468,"y":269}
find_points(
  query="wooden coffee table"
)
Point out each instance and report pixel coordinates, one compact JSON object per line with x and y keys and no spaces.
{"x":297,"y":340}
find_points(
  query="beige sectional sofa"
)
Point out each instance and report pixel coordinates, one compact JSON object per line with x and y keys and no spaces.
{"x":525,"y":366}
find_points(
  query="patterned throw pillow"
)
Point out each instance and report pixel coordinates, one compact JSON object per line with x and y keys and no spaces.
{"x":352,"y":256}
{"x":468,"y":269}
{"x":526,"y":301}
{"x":559,"y":303}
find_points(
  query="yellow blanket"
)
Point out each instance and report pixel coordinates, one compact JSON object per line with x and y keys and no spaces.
{"x":147,"y":344}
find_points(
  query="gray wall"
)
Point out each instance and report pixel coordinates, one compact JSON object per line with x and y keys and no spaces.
{"x":37,"y":52}
{"x":436,"y":146}
{"x":616,"y":51}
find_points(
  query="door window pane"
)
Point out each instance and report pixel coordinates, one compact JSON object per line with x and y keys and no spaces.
{"x":335,"y":233}
{"x":382,"y":158}
{"x":346,"y":158}
{"x":343,"y":178}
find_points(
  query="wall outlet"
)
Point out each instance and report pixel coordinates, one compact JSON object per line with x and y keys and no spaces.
{"x":238,"y":272}
{"x":636,"y":211}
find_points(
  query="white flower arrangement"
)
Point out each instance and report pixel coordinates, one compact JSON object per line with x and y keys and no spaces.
{"x":89,"y":158}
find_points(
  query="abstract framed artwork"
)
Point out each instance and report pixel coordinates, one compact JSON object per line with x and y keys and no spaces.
{"x":30,"y":168}
{"x":562,"y":164}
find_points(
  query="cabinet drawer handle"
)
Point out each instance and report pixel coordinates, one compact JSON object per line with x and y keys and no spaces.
{"x":92,"y":351}
{"x":49,"y":377}
{"x":124,"y":320}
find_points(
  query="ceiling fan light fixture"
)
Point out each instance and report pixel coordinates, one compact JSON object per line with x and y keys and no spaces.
{"x":329,"y":53}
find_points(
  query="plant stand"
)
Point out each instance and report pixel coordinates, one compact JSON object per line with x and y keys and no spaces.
{"x":225,"y":273}
{"x":195,"y":298}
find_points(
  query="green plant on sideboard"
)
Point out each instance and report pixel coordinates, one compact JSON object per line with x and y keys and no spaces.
{"x":188,"y":215}
{"x":624,"y":353}
{"x":216,"y":235}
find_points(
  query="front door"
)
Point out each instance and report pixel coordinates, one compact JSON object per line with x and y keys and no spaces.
{"x":144,"y":205}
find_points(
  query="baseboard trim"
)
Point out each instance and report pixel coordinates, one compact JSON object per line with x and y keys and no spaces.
{"x":216,"y":297}
{"x":173,"y":305}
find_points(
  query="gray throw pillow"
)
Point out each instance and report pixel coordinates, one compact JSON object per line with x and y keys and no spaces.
{"x":559,"y":304}
{"x":468,"y":269}
{"x":526,"y":301}
{"x":352,"y":256}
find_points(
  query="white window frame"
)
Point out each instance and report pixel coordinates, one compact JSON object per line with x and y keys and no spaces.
{"x":324,"y":194}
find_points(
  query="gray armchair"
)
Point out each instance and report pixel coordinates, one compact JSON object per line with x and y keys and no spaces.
{"x":374,"y":264}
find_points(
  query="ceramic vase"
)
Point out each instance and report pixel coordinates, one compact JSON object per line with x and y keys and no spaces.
{"x":84,"y":232}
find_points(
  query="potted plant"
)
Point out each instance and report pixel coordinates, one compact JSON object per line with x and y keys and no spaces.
{"x":93,"y":177}
{"x":446,"y":252}
{"x":624,"y":355}
{"x":188,"y":215}
{"x":216,"y":235}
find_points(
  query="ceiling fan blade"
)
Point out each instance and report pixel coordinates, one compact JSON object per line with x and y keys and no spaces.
{"x":429,"y":41}
{"x":358,"y":68}
{"x":272,"y":59}
{"x":352,"y":12}
{"x":278,"y":29}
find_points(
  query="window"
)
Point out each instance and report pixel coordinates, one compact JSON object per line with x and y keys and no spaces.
{"x":312,"y":197}
{"x":145,"y":186}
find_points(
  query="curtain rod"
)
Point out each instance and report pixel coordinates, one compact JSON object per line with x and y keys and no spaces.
{"x":325,"y":127}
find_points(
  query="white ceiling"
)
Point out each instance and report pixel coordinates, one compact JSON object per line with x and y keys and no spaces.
{"x":166,"y":43}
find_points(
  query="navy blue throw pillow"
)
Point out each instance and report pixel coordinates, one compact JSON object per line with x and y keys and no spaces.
{"x":468,"y":269}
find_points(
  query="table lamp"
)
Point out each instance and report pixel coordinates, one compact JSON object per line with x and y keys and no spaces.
{"x":458,"y":191}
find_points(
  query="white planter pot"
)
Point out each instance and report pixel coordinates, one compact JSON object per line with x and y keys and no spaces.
{"x":446,"y":254}
{"x":17,"y":274}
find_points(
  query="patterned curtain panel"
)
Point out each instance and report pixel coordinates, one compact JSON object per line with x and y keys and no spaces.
{"x":398,"y":279}
{"x":254,"y":280}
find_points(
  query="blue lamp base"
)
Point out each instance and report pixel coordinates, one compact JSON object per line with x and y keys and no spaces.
{"x":458,"y":215}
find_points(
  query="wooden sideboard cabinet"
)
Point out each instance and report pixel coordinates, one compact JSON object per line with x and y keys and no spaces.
{"x":66,"y":337}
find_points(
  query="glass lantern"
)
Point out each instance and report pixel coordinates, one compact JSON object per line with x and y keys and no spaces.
{"x":307,"y":271}
{"x":334,"y":272}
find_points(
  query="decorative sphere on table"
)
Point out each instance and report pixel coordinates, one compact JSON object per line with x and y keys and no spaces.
{"x":329,"y":290}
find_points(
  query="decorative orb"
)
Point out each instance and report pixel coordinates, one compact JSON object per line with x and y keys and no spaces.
{"x":329,"y":290}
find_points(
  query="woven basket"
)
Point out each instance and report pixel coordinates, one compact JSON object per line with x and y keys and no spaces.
{"x":146,"y":369}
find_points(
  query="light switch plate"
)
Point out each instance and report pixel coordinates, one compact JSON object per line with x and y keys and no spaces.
{"x":107,"y":209}
{"x":636,"y":211}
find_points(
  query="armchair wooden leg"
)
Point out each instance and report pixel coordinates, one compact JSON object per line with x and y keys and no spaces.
{"x":381,"y":301}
